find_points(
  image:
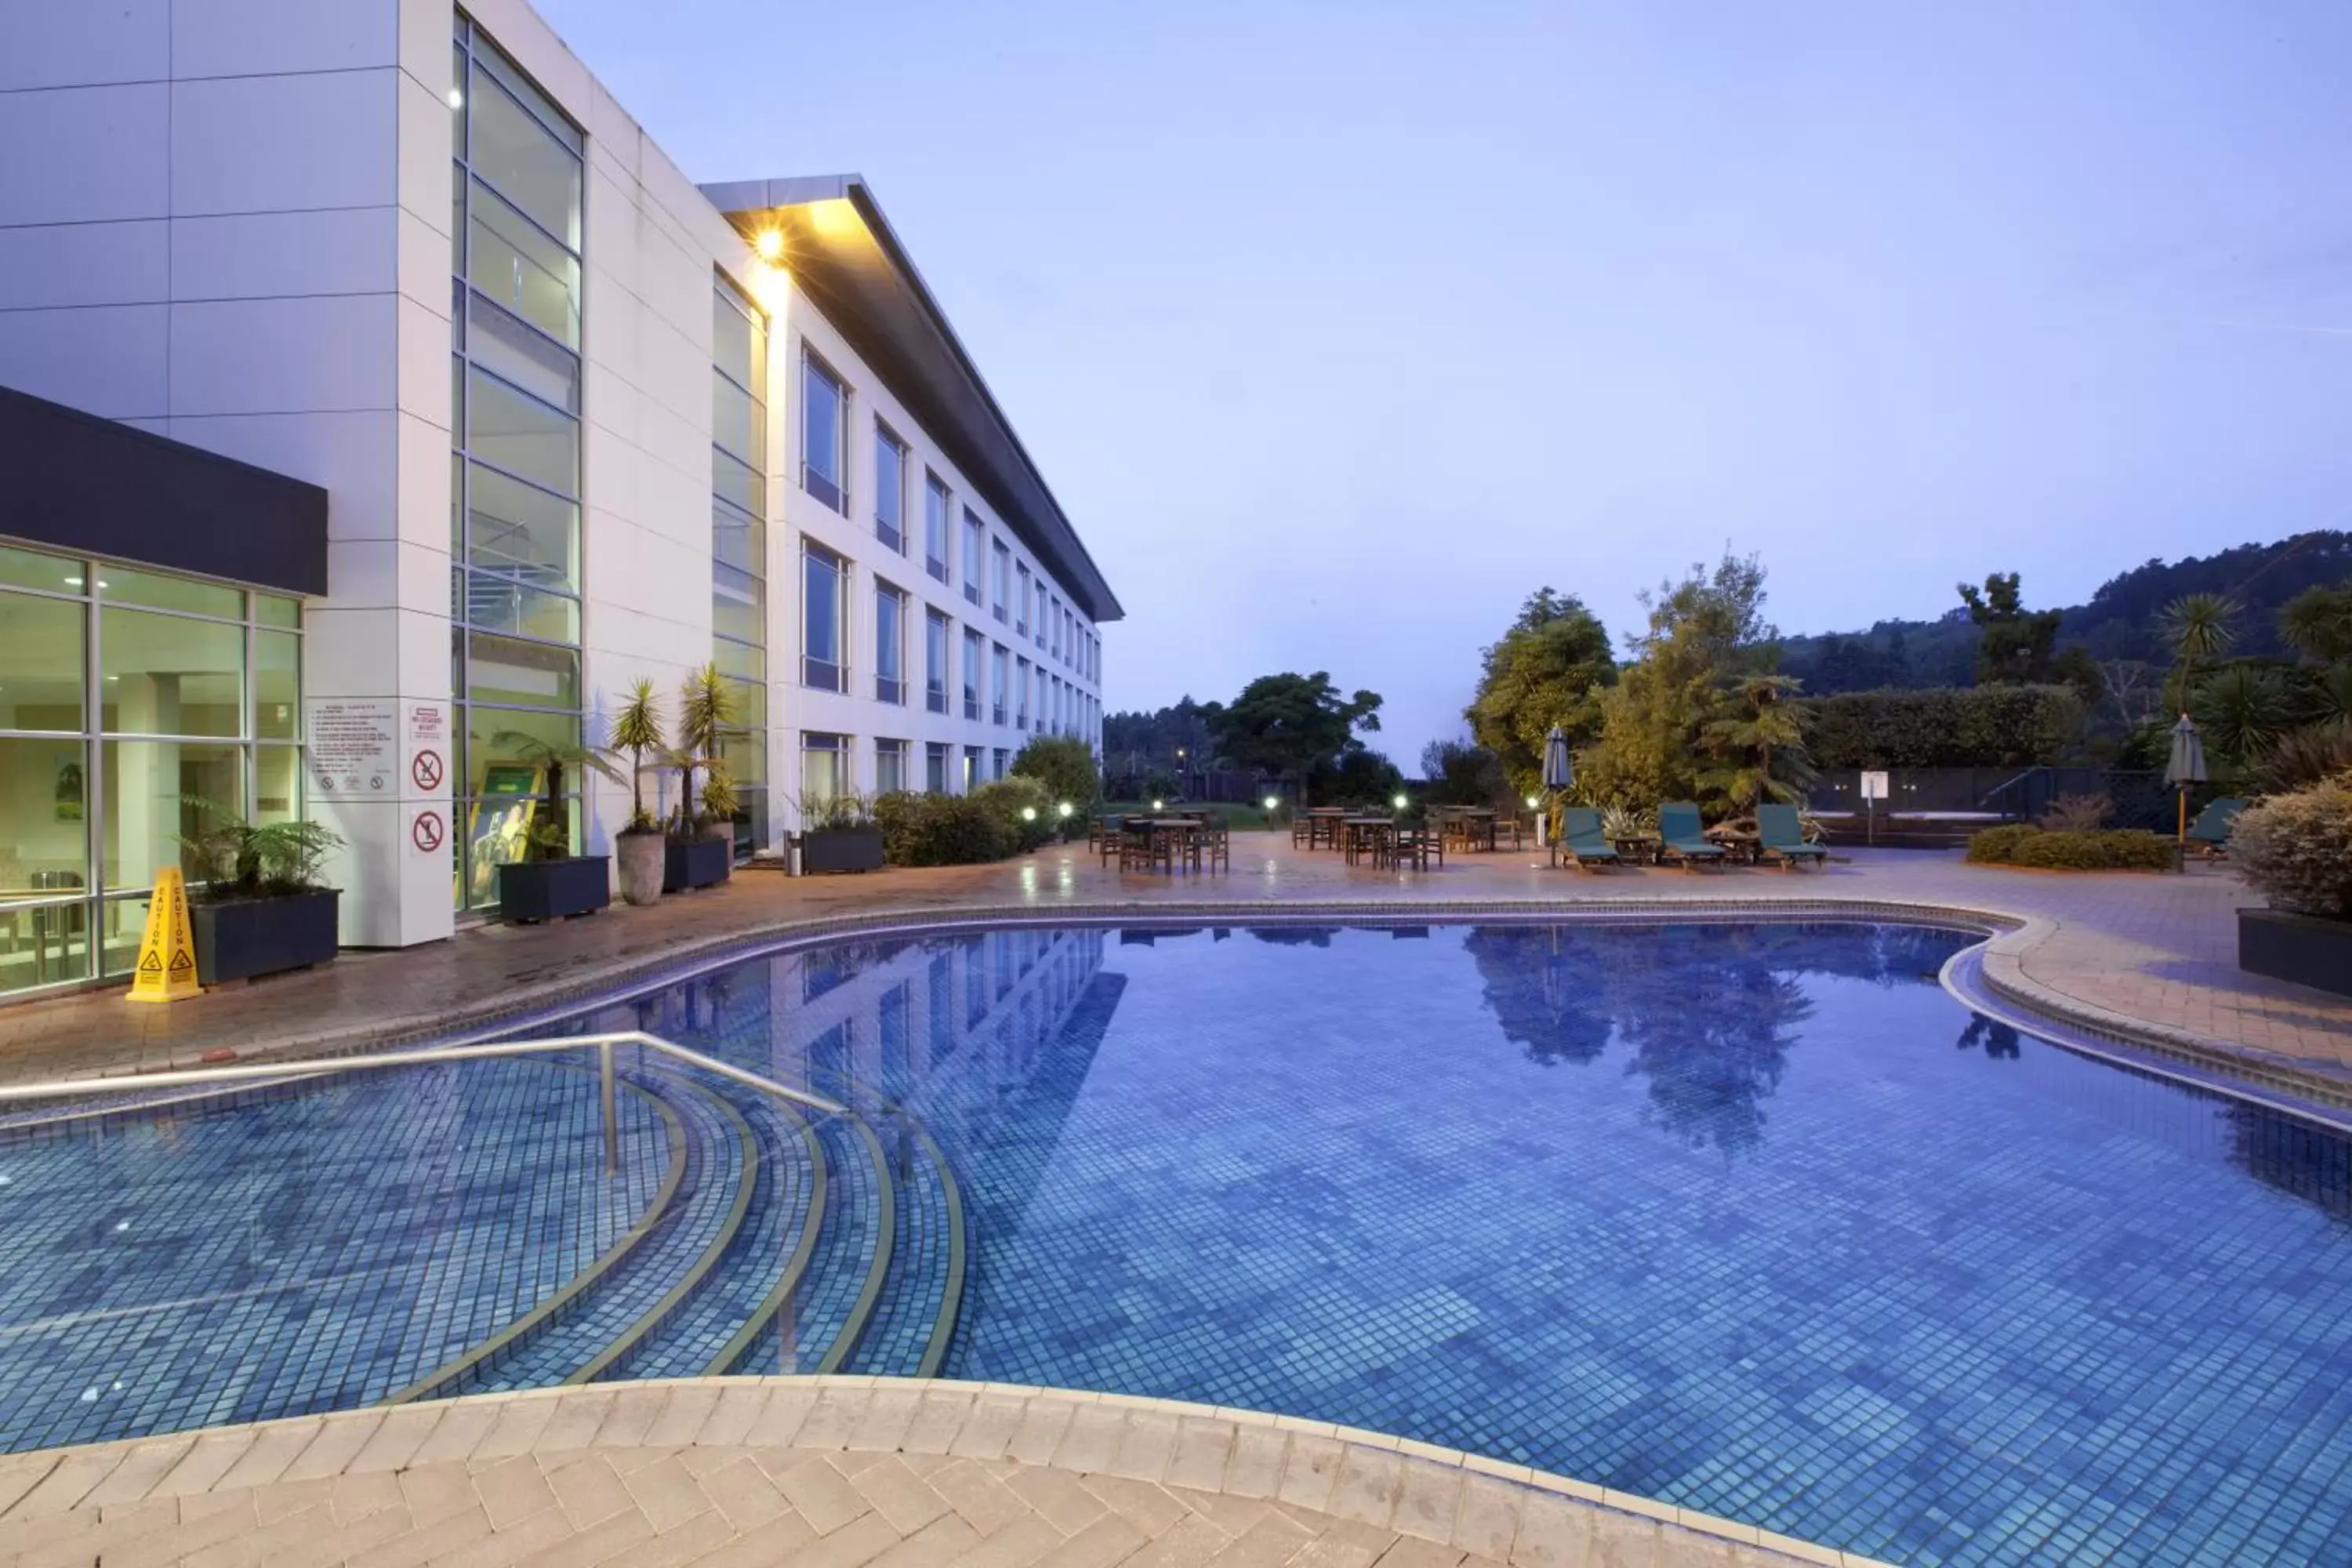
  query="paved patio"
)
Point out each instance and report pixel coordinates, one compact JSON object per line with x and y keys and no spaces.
{"x":2154,"y":953}
{"x":833,"y":1473}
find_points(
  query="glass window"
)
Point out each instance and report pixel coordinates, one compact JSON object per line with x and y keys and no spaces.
{"x":935,"y":766}
{"x":889,"y":766}
{"x":49,"y":573}
{"x":972,"y":661}
{"x":166,"y":674}
{"x":935,"y":527}
{"x":738,"y":425}
{"x":1020,"y":624}
{"x":889,"y":637}
{"x":997,"y":763}
{"x":1004,"y":579}
{"x":276,"y":686}
{"x":890,"y":488}
{"x":42,"y":656}
{"x":504,"y":604}
{"x":971,"y":775}
{"x":275,"y":610}
{"x":124,"y":587}
{"x":44,"y":821}
{"x":1021,"y":696}
{"x":738,"y":540}
{"x":824,"y":771}
{"x":822,"y":619}
{"x":521,"y":434}
{"x":739,"y":338}
{"x":823,"y":400}
{"x":158,"y":793}
{"x":935,"y":661}
{"x":512,"y":263}
{"x":1000,"y":679}
{"x":739,"y":605}
{"x":519,"y":530}
{"x":526,"y":674}
{"x":277,"y":783}
{"x":975,"y":537}
{"x":516,"y":153}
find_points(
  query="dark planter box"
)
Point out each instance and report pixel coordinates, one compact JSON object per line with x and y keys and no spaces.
{"x":841,"y":849}
{"x":2302,"y":947}
{"x":240,"y":938}
{"x":695,"y":863}
{"x":552,"y":889}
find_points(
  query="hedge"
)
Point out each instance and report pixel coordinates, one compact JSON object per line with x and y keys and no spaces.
{"x":964,"y":829}
{"x":1943,"y":727}
{"x":2104,"y":849}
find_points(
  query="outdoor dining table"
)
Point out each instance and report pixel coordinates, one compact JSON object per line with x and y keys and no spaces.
{"x":1474,"y":826}
{"x":1323,"y":825}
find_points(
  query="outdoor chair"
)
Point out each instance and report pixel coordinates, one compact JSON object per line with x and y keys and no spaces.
{"x":1212,"y":845}
{"x":1302,"y":830}
{"x":2211,"y":832}
{"x":1682,"y":837}
{"x":1139,"y":845}
{"x":1781,"y":836}
{"x":1581,"y":843}
{"x":1514,"y":828}
{"x":1414,"y":846}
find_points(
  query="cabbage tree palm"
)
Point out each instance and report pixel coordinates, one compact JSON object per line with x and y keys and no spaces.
{"x":2242,"y":711}
{"x":637,"y":729}
{"x":706,"y":718}
{"x":2197,"y":626}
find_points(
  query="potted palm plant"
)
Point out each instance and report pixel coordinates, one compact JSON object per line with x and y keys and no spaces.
{"x":693,"y":858}
{"x":550,"y":882}
{"x":259,"y":907}
{"x":637,"y":729}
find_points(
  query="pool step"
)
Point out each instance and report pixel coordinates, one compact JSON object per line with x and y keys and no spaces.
{"x":915,"y":1319}
{"x":584,"y":1334}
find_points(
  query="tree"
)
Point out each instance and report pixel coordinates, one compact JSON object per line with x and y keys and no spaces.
{"x":1459,"y":773}
{"x":706,"y":719}
{"x":1287,"y":725}
{"x":1361,"y":777}
{"x":2317,"y":624}
{"x":636,"y":730}
{"x":1758,"y":746}
{"x":2242,"y":710}
{"x":1064,"y":764}
{"x":1705,"y":635}
{"x":2196,"y":626}
{"x":550,"y":836}
{"x":1547,"y":668}
{"x":2014,"y":644}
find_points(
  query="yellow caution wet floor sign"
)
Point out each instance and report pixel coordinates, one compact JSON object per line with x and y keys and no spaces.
{"x":167,"y":953}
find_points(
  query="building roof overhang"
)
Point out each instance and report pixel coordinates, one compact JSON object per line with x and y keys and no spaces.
{"x":839,"y":249}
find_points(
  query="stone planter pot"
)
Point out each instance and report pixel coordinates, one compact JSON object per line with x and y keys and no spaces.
{"x":642,"y":856}
{"x":841,"y":849}
{"x":2302,"y":947}
{"x":240,"y":938}
{"x":688,"y":863}
{"x":536,"y":890}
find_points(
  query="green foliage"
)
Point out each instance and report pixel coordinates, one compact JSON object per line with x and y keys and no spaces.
{"x":1979,"y":726}
{"x":707,"y":712}
{"x":1460,"y":775}
{"x":1547,"y":668}
{"x":2296,"y":847}
{"x":1360,"y":777}
{"x":2197,"y":629}
{"x":940,"y":830}
{"x":1009,"y":798}
{"x":2307,"y":757}
{"x":842,"y":809}
{"x":2242,"y":710}
{"x":1134,"y":742}
{"x":2014,"y":644}
{"x":230,"y":858}
{"x":637,"y":729}
{"x":1064,"y":764}
{"x":2076,"y":814}
{"x":550,"y":834}
{"x":2317,"y":624}
{"x":720,"y":801}
{"x":1288,"y":726}
{"x":2109,"y":850}
{"x":1698,"y":714}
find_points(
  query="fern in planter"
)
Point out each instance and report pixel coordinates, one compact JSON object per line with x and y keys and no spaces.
{"x":230,"y":858}
{"x":550,"y":836}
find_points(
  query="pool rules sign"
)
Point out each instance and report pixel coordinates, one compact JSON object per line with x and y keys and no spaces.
{"x":424,"y":753}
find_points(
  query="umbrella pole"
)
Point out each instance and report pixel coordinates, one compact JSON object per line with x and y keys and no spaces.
{"x":2182,"y":837}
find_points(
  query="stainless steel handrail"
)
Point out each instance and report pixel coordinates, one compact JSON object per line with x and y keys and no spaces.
{"x":139,"y":1083}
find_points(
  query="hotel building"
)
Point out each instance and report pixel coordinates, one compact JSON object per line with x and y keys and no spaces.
{"x":383,"y":404}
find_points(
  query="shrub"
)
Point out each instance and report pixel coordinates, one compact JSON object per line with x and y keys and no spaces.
{"x":2113,"y":849}
{"x":940,"y":830}
{"x":1944,"y":727}
{"x":2076,"y":814}
{"x":2297,"y":848}
{"x":1064,"y":764}
{"x":1006,"y":798}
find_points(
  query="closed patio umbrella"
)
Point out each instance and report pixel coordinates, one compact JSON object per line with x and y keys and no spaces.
{"x":1558,"y":773}
{"x":2185,"y":767}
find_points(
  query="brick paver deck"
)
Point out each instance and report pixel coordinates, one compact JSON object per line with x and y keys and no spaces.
{"x":835,"y":1472}
{"x":2157,"y":950}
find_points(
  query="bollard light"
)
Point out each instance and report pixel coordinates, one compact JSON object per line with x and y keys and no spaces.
{"x":1158,"y":803}
{"x":1028,"y":813}
{"x":1400,"y":803}
{"x":1064,"y":808}
{"x":1533,"y":802}
{"x":1273,"y":802}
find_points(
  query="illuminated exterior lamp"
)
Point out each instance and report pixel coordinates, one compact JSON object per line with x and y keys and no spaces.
{"x":1400,"y":803}
{"x":1065,"y":808}
{"x":770,"y":245}
{"x":1273,"y":802}
{"x":1028,"y":813}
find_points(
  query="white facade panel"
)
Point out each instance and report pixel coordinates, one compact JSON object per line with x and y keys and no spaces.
{"x":233,"y":356}
{"x":83,"y":45}
{"x":104,"y":153}
{"x":258,"y":255}
{"x":353,"y":455}
{"x":51,"y":265}
{"x":107,"y":359}
{"x":277,"y":38}
{"x":285,"y":143}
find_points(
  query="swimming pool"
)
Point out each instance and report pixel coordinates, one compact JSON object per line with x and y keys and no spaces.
{"x":1752,"y":1218}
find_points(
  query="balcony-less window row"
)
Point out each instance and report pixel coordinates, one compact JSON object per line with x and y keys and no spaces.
{"x":739,"y":554}
{"x":890,"y":488}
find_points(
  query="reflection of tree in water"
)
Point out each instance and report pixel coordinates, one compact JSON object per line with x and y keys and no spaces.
{"x":1539,"y":984}
{"x":1707,"y":1012}
{"x":2312,"y":1163}
{"x":1296,"y":936}
{"x":1999,"y":1040}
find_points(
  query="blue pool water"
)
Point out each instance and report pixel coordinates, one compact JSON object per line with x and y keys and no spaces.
{"x":1753,"y":1220}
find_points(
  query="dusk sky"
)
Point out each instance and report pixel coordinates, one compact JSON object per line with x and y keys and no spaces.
{"x":1338,"y":328}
